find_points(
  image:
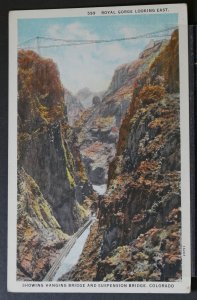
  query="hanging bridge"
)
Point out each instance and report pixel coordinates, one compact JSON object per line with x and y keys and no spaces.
{"x":66,"y":250}
{"x":40,"y":42}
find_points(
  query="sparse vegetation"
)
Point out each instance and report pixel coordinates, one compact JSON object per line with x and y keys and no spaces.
{"x":137,"y":236}
{"x":40,"y":92}
{"x":151,"y":93}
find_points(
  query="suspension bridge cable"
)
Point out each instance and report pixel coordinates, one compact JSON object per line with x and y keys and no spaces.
{"x":87,"y":42}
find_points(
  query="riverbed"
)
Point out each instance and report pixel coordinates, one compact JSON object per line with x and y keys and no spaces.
{"x":100,"y":189}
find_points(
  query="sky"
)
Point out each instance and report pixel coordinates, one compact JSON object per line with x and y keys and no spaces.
{"x":92,"y":65}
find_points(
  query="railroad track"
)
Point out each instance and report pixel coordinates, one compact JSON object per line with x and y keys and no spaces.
{"x":65,"y":250}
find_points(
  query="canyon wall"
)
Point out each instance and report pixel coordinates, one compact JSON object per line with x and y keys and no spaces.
{"x":139,"y":218}
{"x":98,"y":127}
{"x":52,"y":178}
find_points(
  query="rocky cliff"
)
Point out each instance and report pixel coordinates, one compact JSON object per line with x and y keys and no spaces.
{"x":39,"y":235}
{"x":74,"y":107}
{"x":52,"y":178}
{"x":126,"y":74}
{"x":140,"y":215}
{"x":45,"y":139}
{"x":98,"y":128}
{"x":85,"y":97}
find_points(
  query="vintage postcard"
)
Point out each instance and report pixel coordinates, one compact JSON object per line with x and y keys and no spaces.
{"x":99,"y":178}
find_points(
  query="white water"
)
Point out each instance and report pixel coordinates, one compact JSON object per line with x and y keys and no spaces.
{"x":100,"y":189}
{"x":73,"y":256}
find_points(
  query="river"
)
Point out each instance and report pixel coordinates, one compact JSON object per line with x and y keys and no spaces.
{"x":100,"y":189}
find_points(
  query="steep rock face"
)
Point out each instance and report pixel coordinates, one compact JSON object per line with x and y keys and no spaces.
{"x":47,"y":157}
{"x":40,"y":92}
{"x":146,"y":180}
{"x":98,"y":128}
{"x":144,"y":183}
{"x":45,"y":140}
{"x":85,"y":97}
{"x":74,"y":108}
{"x":140,"y":216}
{"x":39,"y":235}
{"x":127,"y":73}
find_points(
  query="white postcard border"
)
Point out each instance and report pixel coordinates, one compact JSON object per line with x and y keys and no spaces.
{"x":151,"y":287}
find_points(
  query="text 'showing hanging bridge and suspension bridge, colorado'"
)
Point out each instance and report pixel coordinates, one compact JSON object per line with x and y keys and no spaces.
{"x":39,"y":42}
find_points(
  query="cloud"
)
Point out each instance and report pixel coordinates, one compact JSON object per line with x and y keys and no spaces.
{"x":71,"y":32}
{"x":54,"y":30}
{"x":89,"y":65}
{"x":128,"y":31}
{"x":78,"y":31}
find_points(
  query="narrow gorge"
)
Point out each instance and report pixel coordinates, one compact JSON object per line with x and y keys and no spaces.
{"x":114,"y":154}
